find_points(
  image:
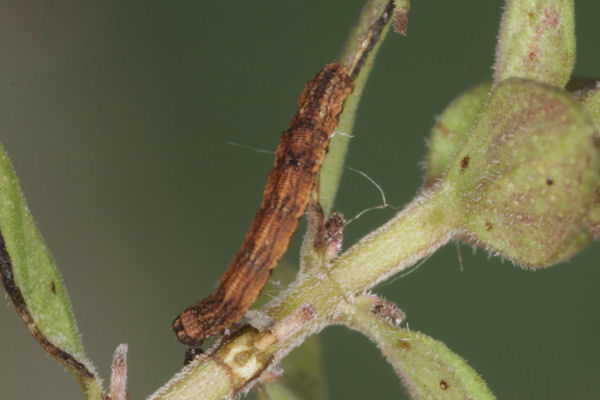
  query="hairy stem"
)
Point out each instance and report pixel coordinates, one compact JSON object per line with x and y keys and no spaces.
{"x":417,"y":231}
{"x":313,"y":300}
{"x":236,"y":364}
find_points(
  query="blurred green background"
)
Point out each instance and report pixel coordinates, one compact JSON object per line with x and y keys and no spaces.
{"x":116,"y":116}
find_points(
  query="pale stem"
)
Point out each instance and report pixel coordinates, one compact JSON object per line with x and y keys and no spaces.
{"x":203,"y":379}
{"x":426,"y":224}
{"x":419,"y":230}
{"x":208,"y":379}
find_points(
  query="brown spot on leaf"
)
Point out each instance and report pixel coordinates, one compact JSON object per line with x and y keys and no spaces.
{"x":16,"y":296}
{"x":549,"y":181}
{"x":443,"y":129}
{"x":532,"y":56}
{"x":488,"y":226}
{"x":53,"y":287}
{"x":464,"y":163}
{"x":404,"y":344}
{"x":551,"y":18}
{"x":444,"y":385}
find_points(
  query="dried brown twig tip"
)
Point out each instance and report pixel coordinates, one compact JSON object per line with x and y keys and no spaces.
{"x":298,"y":159}
{"x":386,"y":310}
{"x":369,"y":41}
{"x":401,"y":17}
{"x":118,"y":378}
{"x":334,"y":233}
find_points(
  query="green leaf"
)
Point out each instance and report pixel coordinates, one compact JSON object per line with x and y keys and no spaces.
{"x":526,"y":175}
{"x":432,"y":370}
{"x":588,"y":93}
{"x":452,"y":128}
{"x":427,"y":367}
{"x":536,"y":41}
{"x":35,"y":285}
{"x":593,"y":219}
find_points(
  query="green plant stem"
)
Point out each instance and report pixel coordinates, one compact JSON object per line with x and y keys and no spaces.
{"x":422,"y":227}
{"x":239,"y":361}
{"x":209,"y":381}
{"x":414,"y":233}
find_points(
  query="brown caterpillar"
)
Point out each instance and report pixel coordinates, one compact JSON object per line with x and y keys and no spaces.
{"x":298,"y":158}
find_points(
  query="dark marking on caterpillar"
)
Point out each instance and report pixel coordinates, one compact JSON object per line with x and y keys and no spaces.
{"x":298,"y":159}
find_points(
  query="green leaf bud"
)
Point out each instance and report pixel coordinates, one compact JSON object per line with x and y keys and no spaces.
{"x":536,"y":41}
{"x":451,"y":129}
{"x":526,"y":175}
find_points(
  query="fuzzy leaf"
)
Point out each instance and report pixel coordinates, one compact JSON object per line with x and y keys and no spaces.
{"x":430,"y":370}
{"x":35,"y":285}
{"x":588,"y":93}
{"x":537,"y":41}
{"x":593,"y":219}
{"x":451,"y":129}
{"x":526,"y":174}
{"x":426,"y":366}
